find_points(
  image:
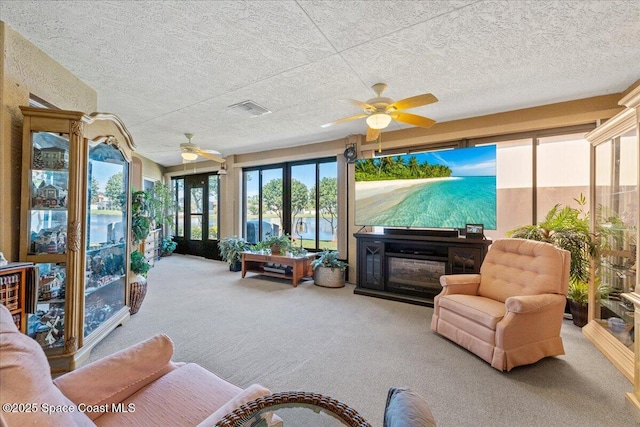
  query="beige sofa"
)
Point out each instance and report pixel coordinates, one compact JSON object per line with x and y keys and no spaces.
{"x":511,"y":313}
{"x":138,"y":386}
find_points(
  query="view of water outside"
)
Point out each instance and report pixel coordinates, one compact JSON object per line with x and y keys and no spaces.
{"x":303,"y":199}
{"x":106,"y":210}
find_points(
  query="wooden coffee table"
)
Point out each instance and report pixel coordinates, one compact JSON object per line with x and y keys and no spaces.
{"x":255,"y":262}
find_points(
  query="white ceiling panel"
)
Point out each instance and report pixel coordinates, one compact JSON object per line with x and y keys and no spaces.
{"x":170,"y":67}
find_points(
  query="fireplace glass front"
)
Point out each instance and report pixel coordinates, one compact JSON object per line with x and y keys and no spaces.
{"x":417,"y":276}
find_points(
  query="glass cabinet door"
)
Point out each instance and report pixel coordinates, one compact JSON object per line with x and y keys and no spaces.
{"x":47,"y":239}
{"x":616,"y":216}
{"x":105,"y":270}
{"x":49,"y":183}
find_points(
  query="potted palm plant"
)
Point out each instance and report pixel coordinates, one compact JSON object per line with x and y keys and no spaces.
{"x":231,"y":249}
{"x":328,"y":270}
{"x":567,"y":228}
{"x":578,"y":297}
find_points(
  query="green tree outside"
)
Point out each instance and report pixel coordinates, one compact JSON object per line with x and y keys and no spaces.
{"x":114,"y":191}
{"x":272,"y":198}
{"x":328,"y":201}
{"x":94,"y":191}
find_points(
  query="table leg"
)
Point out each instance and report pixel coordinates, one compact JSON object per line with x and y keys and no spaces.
{"x":296,"y":272}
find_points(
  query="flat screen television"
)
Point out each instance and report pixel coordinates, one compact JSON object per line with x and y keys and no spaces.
{"x":435,"y":189}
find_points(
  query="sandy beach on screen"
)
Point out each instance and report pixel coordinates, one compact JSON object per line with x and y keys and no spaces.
{"x":379,"y":196}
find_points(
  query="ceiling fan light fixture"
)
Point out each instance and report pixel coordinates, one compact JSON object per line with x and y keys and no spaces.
{"x":189,"y":156}
{"x":378,"y":121}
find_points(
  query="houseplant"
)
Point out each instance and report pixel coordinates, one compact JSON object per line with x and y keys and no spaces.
{"x":140,"y":228}
{"x":168,"y":246}
{"x":140,"y":216}
{"x":137,"y":280}
{"x":279,"y":244}
{"x":231,"y":249}
{"x":328,"y":270}
{"x":161,"y":205}
{"x":567,"y":228}
{"x":578,"y":297}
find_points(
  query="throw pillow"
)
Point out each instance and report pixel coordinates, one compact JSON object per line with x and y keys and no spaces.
{"x":406,"y":408}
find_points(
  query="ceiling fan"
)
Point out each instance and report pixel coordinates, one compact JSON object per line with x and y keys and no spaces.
{"x":191,"y":151}
{"x":379,"y":111}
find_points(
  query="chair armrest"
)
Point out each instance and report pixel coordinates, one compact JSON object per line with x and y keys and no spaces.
{"x":466,"y":284}
{"x":252,"y":392}
{"x":116,"y":377}
{"x":533,"y":303}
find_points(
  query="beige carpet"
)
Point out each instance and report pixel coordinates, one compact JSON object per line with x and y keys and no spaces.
{"x":353,"y":348}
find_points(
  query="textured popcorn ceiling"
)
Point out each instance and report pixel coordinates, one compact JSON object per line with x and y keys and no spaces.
{"x":169,"y":67}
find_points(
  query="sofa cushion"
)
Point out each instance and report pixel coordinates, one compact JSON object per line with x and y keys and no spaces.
{"x":484,"y":311}
{"x":26,"y":379}
{"x":96,"y":385}
{"x":523,"y":267}
{"x":183,"y":397}
{"x":406,"y":408}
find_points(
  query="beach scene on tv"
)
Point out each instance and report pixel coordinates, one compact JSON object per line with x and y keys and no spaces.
{"x":436,"y":189}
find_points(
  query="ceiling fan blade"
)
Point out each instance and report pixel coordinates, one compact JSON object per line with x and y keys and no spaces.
{"x":214,"y":152}
{"x":412,"y":102}
{"x":208,"y":155}
{"x":357,"y":103}
{"x":413,"y":119}
{"x":372,"y":134}
{"x":346,"y":119}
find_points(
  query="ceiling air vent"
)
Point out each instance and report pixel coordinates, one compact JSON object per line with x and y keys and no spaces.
{"x":249,"y":108}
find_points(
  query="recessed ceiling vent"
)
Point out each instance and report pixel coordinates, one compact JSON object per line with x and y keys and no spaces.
{"x":249,"y":108}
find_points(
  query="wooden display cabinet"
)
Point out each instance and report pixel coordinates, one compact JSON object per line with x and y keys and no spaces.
{"x":75,"y":228}
{"x":615,"y":198}
{"x":15,"y":278}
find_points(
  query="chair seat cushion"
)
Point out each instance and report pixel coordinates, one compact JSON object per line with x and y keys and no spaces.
{"x":484,"y":311}
{"x":183,"y":397}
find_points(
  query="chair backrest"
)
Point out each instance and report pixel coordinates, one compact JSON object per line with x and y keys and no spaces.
{"x":26,"y":378}
{"x":524,"y":267}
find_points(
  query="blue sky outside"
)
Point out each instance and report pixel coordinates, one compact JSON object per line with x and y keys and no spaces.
{"x":102,"y":171}
{"x":475,"y":161}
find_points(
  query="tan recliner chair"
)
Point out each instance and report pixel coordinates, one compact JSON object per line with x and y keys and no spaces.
{"x":511,"y":313}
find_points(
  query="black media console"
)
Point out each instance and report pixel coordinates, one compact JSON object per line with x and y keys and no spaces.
{"x":407,"y":266}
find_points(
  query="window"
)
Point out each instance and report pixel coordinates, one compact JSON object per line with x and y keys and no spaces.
{"x":536,"y":171}
{"x":514,"y":182}
{"x":562,"y":172}
{"x":299,"y":199}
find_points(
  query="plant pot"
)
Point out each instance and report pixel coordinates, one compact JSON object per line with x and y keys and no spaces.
{"x":579,"y":312}
{"x":137,"y":292}
{"x":235,"y":266}
{"x":275,"y":249}
{"x":324,"y":276}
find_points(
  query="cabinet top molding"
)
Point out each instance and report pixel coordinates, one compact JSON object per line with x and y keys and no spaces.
{"x":99,"y":127}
